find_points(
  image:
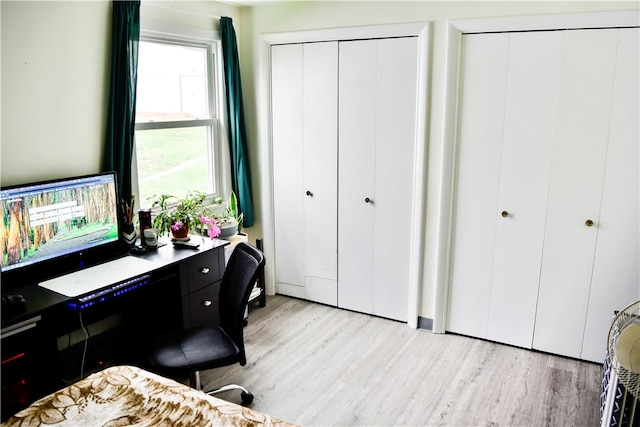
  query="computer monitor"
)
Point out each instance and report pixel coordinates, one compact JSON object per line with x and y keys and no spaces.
{"x":58,"y":221}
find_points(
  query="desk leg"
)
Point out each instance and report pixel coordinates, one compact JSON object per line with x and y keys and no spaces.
{"x":262,"y":299}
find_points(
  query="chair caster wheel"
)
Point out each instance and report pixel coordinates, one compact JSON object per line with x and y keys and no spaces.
{"x":247,"y":398}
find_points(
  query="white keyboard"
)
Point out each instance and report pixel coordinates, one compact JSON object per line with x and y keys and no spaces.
{"x":100,"y":277}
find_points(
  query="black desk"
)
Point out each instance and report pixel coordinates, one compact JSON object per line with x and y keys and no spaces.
{"x":47,"y":346}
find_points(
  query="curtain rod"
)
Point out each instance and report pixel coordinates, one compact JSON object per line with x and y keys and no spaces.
{"x":173,"y":9}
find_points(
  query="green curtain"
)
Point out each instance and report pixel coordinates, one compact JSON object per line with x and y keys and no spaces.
{"x":240,"y":172}
{"x":125,"y":36}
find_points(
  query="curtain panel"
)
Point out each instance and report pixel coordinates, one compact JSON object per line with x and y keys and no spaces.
{"x":125,"y":36}
{"x":236,"y":124}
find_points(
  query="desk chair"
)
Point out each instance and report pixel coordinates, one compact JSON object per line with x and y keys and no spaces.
{"x":193,"y":350}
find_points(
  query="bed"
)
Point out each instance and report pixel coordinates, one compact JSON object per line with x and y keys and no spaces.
{"x":127,"y":395}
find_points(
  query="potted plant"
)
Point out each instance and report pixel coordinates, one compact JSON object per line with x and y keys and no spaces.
{"x":234,"y":211}
{"x":230,"y":220}
{"x":177,"y":216}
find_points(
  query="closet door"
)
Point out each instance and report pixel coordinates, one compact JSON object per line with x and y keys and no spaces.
{"x":545,"y":244}
{"x":481,"y":118}
{"x":591,"y":269}
{"x":377,"y":125}
{"x":529,"y":123}
{"x":575,"y":191}
{"x":617,"y":251}
{"x":304,"y":106}
{"x":506,"y":128}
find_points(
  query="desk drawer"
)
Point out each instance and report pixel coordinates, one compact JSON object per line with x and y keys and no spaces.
{"x":203,"y":270}
{"x":201,"y":307}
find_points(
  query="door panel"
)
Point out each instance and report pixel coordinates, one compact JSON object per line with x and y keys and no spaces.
{"x":356,"y":172}
{"x":530,"y":105}
{"x":378,"y":81}
{"x":288,"y":167}
{"x":320,"y":159}
{"x":395,"y":145}
{"x":575,"y":191}
{"x":304,"y":85}
{"x":616,"y":275}
{"x":480,"y":131}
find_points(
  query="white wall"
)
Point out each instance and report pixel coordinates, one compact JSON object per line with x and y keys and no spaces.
{"x":55,"y":80}
{"x":54,"y":88}
{"x":200,"y":15}
{"x":300,"y":16}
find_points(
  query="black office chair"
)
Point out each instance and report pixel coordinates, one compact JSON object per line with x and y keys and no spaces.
{"x":190,"y":351}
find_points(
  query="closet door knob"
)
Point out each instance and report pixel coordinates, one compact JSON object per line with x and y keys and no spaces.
{"x":207,"y":303}
{"x":368,"y":200}
{"x":204,"y":270}
{"x":504,"y":214}
{"x":309,"y":193}
{"x":588,"y":223}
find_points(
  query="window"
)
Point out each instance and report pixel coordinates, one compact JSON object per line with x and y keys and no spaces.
{"x":177,"y":131}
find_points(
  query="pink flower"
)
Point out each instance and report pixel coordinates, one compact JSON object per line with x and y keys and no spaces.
{"x":176,"y":225}
{"x":212,"y":229}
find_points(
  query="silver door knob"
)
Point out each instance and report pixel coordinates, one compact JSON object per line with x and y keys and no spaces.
{"x":204,"y":270}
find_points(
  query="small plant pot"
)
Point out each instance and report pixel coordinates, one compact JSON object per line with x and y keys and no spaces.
{"x":182,"y":233}
{"x":228,"y":230}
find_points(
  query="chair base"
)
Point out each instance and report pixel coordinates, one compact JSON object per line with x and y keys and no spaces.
{"x":246,"y":395}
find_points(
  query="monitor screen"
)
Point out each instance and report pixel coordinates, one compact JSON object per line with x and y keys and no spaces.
{"x":47,"y":220}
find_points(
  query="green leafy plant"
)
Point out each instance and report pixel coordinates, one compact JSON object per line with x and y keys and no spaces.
{"x":173,"y":213}
{"x":234,"y":211}
{"x":231,"y":214}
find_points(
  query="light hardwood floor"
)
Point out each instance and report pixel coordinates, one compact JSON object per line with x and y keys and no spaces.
{"x":311,"y":364}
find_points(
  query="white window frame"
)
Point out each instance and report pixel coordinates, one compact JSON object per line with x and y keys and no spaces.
{"x":217,"y":149}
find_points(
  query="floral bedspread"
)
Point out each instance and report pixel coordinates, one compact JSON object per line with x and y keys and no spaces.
{"x":126,"y":395}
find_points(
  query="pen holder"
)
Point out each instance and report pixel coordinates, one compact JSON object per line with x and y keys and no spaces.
{"x":129,"y":234}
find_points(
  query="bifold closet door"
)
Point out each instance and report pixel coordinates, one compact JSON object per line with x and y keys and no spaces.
{"x":545,"y":240}
{"x":506,"y":127}
{"x":304,"y":114}
{"x":599,"y":88}
{"x":377,"y":132}
{"x":617,"y":257}
{"x":530,"y":101}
